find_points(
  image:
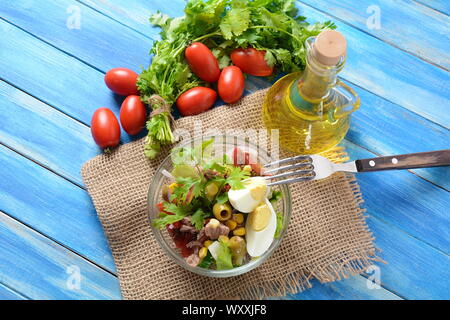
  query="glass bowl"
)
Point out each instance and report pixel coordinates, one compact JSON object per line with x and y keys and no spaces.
{"x":221,"y":144}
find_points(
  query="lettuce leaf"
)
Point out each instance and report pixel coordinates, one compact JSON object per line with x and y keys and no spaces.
{"x":223,"y":260}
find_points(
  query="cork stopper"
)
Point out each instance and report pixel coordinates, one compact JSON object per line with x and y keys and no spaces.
{"x":329,"y":47}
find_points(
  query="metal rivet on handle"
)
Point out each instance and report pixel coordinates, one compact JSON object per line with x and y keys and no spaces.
{"x":394,"y":160}
{"x":372,"y":163}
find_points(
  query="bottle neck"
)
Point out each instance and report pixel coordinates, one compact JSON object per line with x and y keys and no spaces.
{"x":314,"y":86}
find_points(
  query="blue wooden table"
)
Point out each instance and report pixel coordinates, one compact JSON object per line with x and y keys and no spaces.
{"x":53,"y":56}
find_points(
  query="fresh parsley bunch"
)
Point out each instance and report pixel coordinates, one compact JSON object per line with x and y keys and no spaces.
{"x":222,"y":25}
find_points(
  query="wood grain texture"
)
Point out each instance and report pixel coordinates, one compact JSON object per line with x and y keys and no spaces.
{"x":425,"y":36}
{"x":439,"y":5}
{"x":391,"y":73}
{"x":54,"y":121}
{"x":437,"y":158}
{"x":52,"y":206}
{"x":373,"y":64}
{"x":95,"y":42}
{"x":386,"y":128}
{"x":405,"y":201}
{"x":54,"y":77}
{"x":24,"y":60}
{"x":414,"y":270}
{"x":36,"y":267}
{"x":9,"y":294}
{"x":353,"y":288}
{"x":44,"y":134}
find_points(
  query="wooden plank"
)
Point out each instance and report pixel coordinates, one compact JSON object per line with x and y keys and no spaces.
{"x":53,"y":206}
{"x":9,"y":294}
{"x":372,"y":64}
{"x":353,"y":288}
{"x":36,"y":266}
{"x":44,"y":134}
{"x":393,"y":74}
{"x":97,"y":40}
{"x":414,"y":270}
{"x":388,"y":129}
{"x":426,"y":36}
{"x":53,"y":76}
{"x":385,"y":128}
{"x":52,"y":122}
{"x":440,"y":5}
{"x":136,"y":14}
{"x":405,"y":201}
{"x":366,"y":130}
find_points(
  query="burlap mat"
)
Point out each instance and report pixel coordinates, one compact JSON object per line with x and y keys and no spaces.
{"x":327,"y":238}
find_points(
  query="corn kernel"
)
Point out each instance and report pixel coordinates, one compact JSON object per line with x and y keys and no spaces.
{"x":238,"y":217}
{"x":247,"y":168}
{"x":231,"y":224}
{"x":202,"y":252}
{"x":239,"y":231}
{"x":207,"y":243}
{"x":172,"y":185}
{"x":224,"y":239}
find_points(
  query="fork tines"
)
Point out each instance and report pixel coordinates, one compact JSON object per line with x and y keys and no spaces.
{"x":303,"y":171}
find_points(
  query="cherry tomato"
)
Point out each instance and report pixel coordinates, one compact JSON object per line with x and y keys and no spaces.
{"x":196,"y":100}
{"x":231,"y":84}
{"x":122,"y":81}
{"x":251,"y":61}
{"x":105,"y":128}
{"x":202,"y":62}
{"x":132,"y":115}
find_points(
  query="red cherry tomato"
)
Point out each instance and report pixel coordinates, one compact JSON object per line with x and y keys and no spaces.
{"x":202,"y":62}
{"x":105,"y":128}
{"x":132,"y":115}
{"x":231,"y":84}
{"x":251,"y":61}
{"x":122,"y":81}
{"x":196,"y":100}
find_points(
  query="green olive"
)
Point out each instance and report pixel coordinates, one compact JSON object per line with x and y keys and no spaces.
{"x":222,"y":212}
{"x":238,"y":249}
{"x":211,"y":189}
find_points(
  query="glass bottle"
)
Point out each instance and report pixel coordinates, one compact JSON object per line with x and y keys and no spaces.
{"x":311,"y":109}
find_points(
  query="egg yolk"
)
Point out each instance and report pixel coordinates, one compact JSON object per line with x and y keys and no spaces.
{"x":258,"y":190}
{"x":259,"y":218}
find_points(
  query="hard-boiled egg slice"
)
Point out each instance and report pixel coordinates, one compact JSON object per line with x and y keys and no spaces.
{"x":247,"y":199}
{"x":260,"y":231}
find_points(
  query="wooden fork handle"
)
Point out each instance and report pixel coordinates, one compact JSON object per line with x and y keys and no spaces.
{"x":405,"y":161}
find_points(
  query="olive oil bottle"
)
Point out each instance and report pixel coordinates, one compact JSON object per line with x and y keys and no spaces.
{"x":311,"y":109}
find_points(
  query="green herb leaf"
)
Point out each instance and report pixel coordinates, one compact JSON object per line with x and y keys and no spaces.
{"x":165,"y":219}
{"x":198,"y":218}
{"x":223,"y":25}
{"x":207,"y":261}
{"x":222,"y":198}
{"x":236,"y":176}
{"x":276,"y":195}
{"x":279,"y":225}
{"x":223,"y":260}
{"x":235,"y":22}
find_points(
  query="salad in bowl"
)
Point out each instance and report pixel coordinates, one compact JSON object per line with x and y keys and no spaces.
{"x":212,"y":210}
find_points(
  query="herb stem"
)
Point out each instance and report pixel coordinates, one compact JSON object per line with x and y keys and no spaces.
{"x":275,"y":28}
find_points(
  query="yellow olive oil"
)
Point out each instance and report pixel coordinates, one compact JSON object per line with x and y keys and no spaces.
{"x":311,"y":109}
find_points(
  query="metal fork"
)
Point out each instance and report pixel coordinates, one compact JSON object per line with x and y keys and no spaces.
{"x":314,"y":167}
